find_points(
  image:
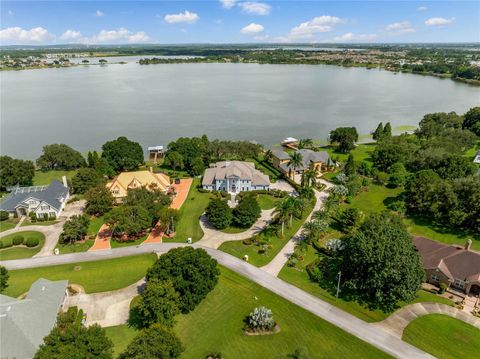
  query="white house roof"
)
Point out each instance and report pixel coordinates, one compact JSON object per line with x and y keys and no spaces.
{"x":240,"y":169}
{"x":155,"y":148}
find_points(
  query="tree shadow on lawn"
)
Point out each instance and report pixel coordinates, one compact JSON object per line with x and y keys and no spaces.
{"x":430,"y":224}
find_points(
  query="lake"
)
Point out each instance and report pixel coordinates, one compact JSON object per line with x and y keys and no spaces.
{"x":85,"y":106}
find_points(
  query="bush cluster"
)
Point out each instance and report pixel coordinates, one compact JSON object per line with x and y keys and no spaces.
{"x":17,"y":240}
{"x":32,"y":242}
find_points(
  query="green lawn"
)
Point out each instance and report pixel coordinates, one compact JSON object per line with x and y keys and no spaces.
{"x":136,"y":242}
{"x":8,"y":224}
{"x":188,"y":224}
{"x":266,"y":201}
{"x":360,"y":153}
{"x":443,"y":337}
{"x":97,"y":276}
{"x":374,"y":199}
{"x":299,"y":278}
{"x":45,"y":178}
{"x":17,"y":252}
{"x":216,"y":325}
{"x":26,"y":223}
{"x":121,"y":336}
{"x":239,"y":249}
{"x":76,"y":247}
{"x":94,"y":226}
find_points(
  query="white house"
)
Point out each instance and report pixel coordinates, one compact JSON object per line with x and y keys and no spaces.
{"x":234,"y":177}
{"x":44,"y":201}
{"x":477,"y":158}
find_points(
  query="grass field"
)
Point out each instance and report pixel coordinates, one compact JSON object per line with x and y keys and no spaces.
{"x":374,"y":200}
{"x":136,"y":242}
{"x":360,"y":153}
{"x":299,"y":278}
{"x":97,"y":276}
{"x":8,"y":224}
{"x":238,"y":249}
{"x":188,"y":224}
{"x":94,"y":226}
{"x":216,"y":325}
{"x":266,"y":201}
{"x":443,"y":337}
{"x":75,"y":247}
{"x":17,"y":252}
{"x":121,"y":336}
{"x":45,"y":178}
{"x":26,"y":223}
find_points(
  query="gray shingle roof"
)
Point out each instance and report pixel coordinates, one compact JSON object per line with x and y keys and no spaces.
{"x":281,"y":155}
{"x":26,"y":322}
{"x":308,"y":156}
{"x":240,"y":169}
{"x":50,"y":194}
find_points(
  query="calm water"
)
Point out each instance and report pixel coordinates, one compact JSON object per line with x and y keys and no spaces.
{"x":88,"y":105}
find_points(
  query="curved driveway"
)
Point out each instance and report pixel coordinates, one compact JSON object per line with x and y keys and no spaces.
{"x":370,"y":333}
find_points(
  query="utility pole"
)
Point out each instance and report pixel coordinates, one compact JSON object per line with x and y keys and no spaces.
{"x":338,"y":283}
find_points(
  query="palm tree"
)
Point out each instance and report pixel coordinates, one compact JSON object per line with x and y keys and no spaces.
{"x":309,"y":178}
{"x":268,"y":156}
{"x":305,"y":143}
{"x":282,"y":211}
{"x":295,"y":162}
{"x":313,"y":229}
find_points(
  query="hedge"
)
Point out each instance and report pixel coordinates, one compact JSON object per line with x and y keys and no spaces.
{"x":32,"y":242}
{"x":3,"y":216}
{"x":17,"y":240}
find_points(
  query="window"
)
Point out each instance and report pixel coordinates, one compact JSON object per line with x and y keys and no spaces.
{"x":45,"y":208}
{"x":459,"y":283}
{"x":434,"y":278}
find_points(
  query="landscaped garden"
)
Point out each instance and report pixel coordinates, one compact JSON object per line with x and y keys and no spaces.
{"x":443,"y":336}
{"x":9,"y":223}
{"x":23,"y":244}
{"x":95,"y":276}
{"x":216,"y":325}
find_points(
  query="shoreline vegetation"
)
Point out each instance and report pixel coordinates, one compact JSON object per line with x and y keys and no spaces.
{"x":459,"y":63}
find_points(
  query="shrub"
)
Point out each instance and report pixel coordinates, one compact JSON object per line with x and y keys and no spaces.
{"x":5,"y":244}
{"x":32,"y":242}
{"x":219,"y":213}
{"x":247,"y":212}
{"x":381,"y":178}
{"x":17,"y":240}
{"x":3,"y":215}
{"x":261,"y":319}
{"x":443,"y":288}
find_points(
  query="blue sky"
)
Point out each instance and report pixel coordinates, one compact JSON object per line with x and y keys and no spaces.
{"x":230,"y":21}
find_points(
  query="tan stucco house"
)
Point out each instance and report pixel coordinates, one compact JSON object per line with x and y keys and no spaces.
{"x":128,"y":180}
{"x":320,"y":161}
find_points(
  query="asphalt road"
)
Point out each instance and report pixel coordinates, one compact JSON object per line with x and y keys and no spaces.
{"x":351,"y":324}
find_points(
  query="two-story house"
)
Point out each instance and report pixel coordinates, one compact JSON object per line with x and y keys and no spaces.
{"x":234,"y":177}
{"x":120,"y":185}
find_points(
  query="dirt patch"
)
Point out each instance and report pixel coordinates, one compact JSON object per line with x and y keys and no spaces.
{"x":75,"y":289}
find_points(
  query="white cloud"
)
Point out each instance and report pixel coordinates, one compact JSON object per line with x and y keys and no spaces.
{"x":252,"y":29}
{"x":98,"y":13}
{"x":439,"y":21}
{"x":228,"y":4}
{"x":186,"y":17}
{"x":71,"y":35}
{"x":402,"y":27}
{"x":18,"y":35}
{"x":351,"y":37}
{"x":118,"y":36}
{"x":255,"y":8}
{"x":323,"y":23}
{"x":422,"y":8}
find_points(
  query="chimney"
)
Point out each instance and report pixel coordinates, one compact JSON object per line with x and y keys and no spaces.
{"x":468,"y":245}
{"x":64,"y":181}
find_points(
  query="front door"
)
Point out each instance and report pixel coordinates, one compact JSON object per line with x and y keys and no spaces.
{"x":475,"y":289}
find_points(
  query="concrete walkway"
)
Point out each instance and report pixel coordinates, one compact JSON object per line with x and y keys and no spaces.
{"x":398,"y":321}
{"x":107,"y":309}
{"x":370,"y":333}
{"x":213,"y":238}
{"x":276,"y":264}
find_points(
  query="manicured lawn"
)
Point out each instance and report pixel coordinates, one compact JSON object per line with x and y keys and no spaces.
{"x":374,"y":199}
{"x":299,"y":278}
{"x":97,"y":276}
{"x":76,"y":247}
{"x":8,"y":224}
{"x":239,"y":249}
{"x":216,"y":325}
{"x":360,"y":153}
{"x":17,"y":252}
{"x":26,"y":222}
{"x":266,"y":201}
{"x":95,"y":225}
{"x":188,"y":224}
{"x":233,"y":229}
{"x":121,"y":336}
{"x":443,"y":337}
{"x":45,"y":178}
{"x":136,"y":242}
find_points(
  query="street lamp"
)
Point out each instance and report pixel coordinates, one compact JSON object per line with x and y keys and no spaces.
{"x":339,"y":275}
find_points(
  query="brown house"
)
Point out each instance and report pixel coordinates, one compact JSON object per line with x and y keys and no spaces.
{"x":320,"y":161}
{"x":455,"y":266}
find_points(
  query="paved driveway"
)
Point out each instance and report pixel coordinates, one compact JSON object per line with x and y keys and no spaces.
{"x":370,"y":333}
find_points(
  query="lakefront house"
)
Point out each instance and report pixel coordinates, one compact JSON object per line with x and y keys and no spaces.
{"x":44,"y":201}
{"x":234,"y":177}
{"x":320,"y":161}
{"x":454,"y":266}
{"x":120,"y":185}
